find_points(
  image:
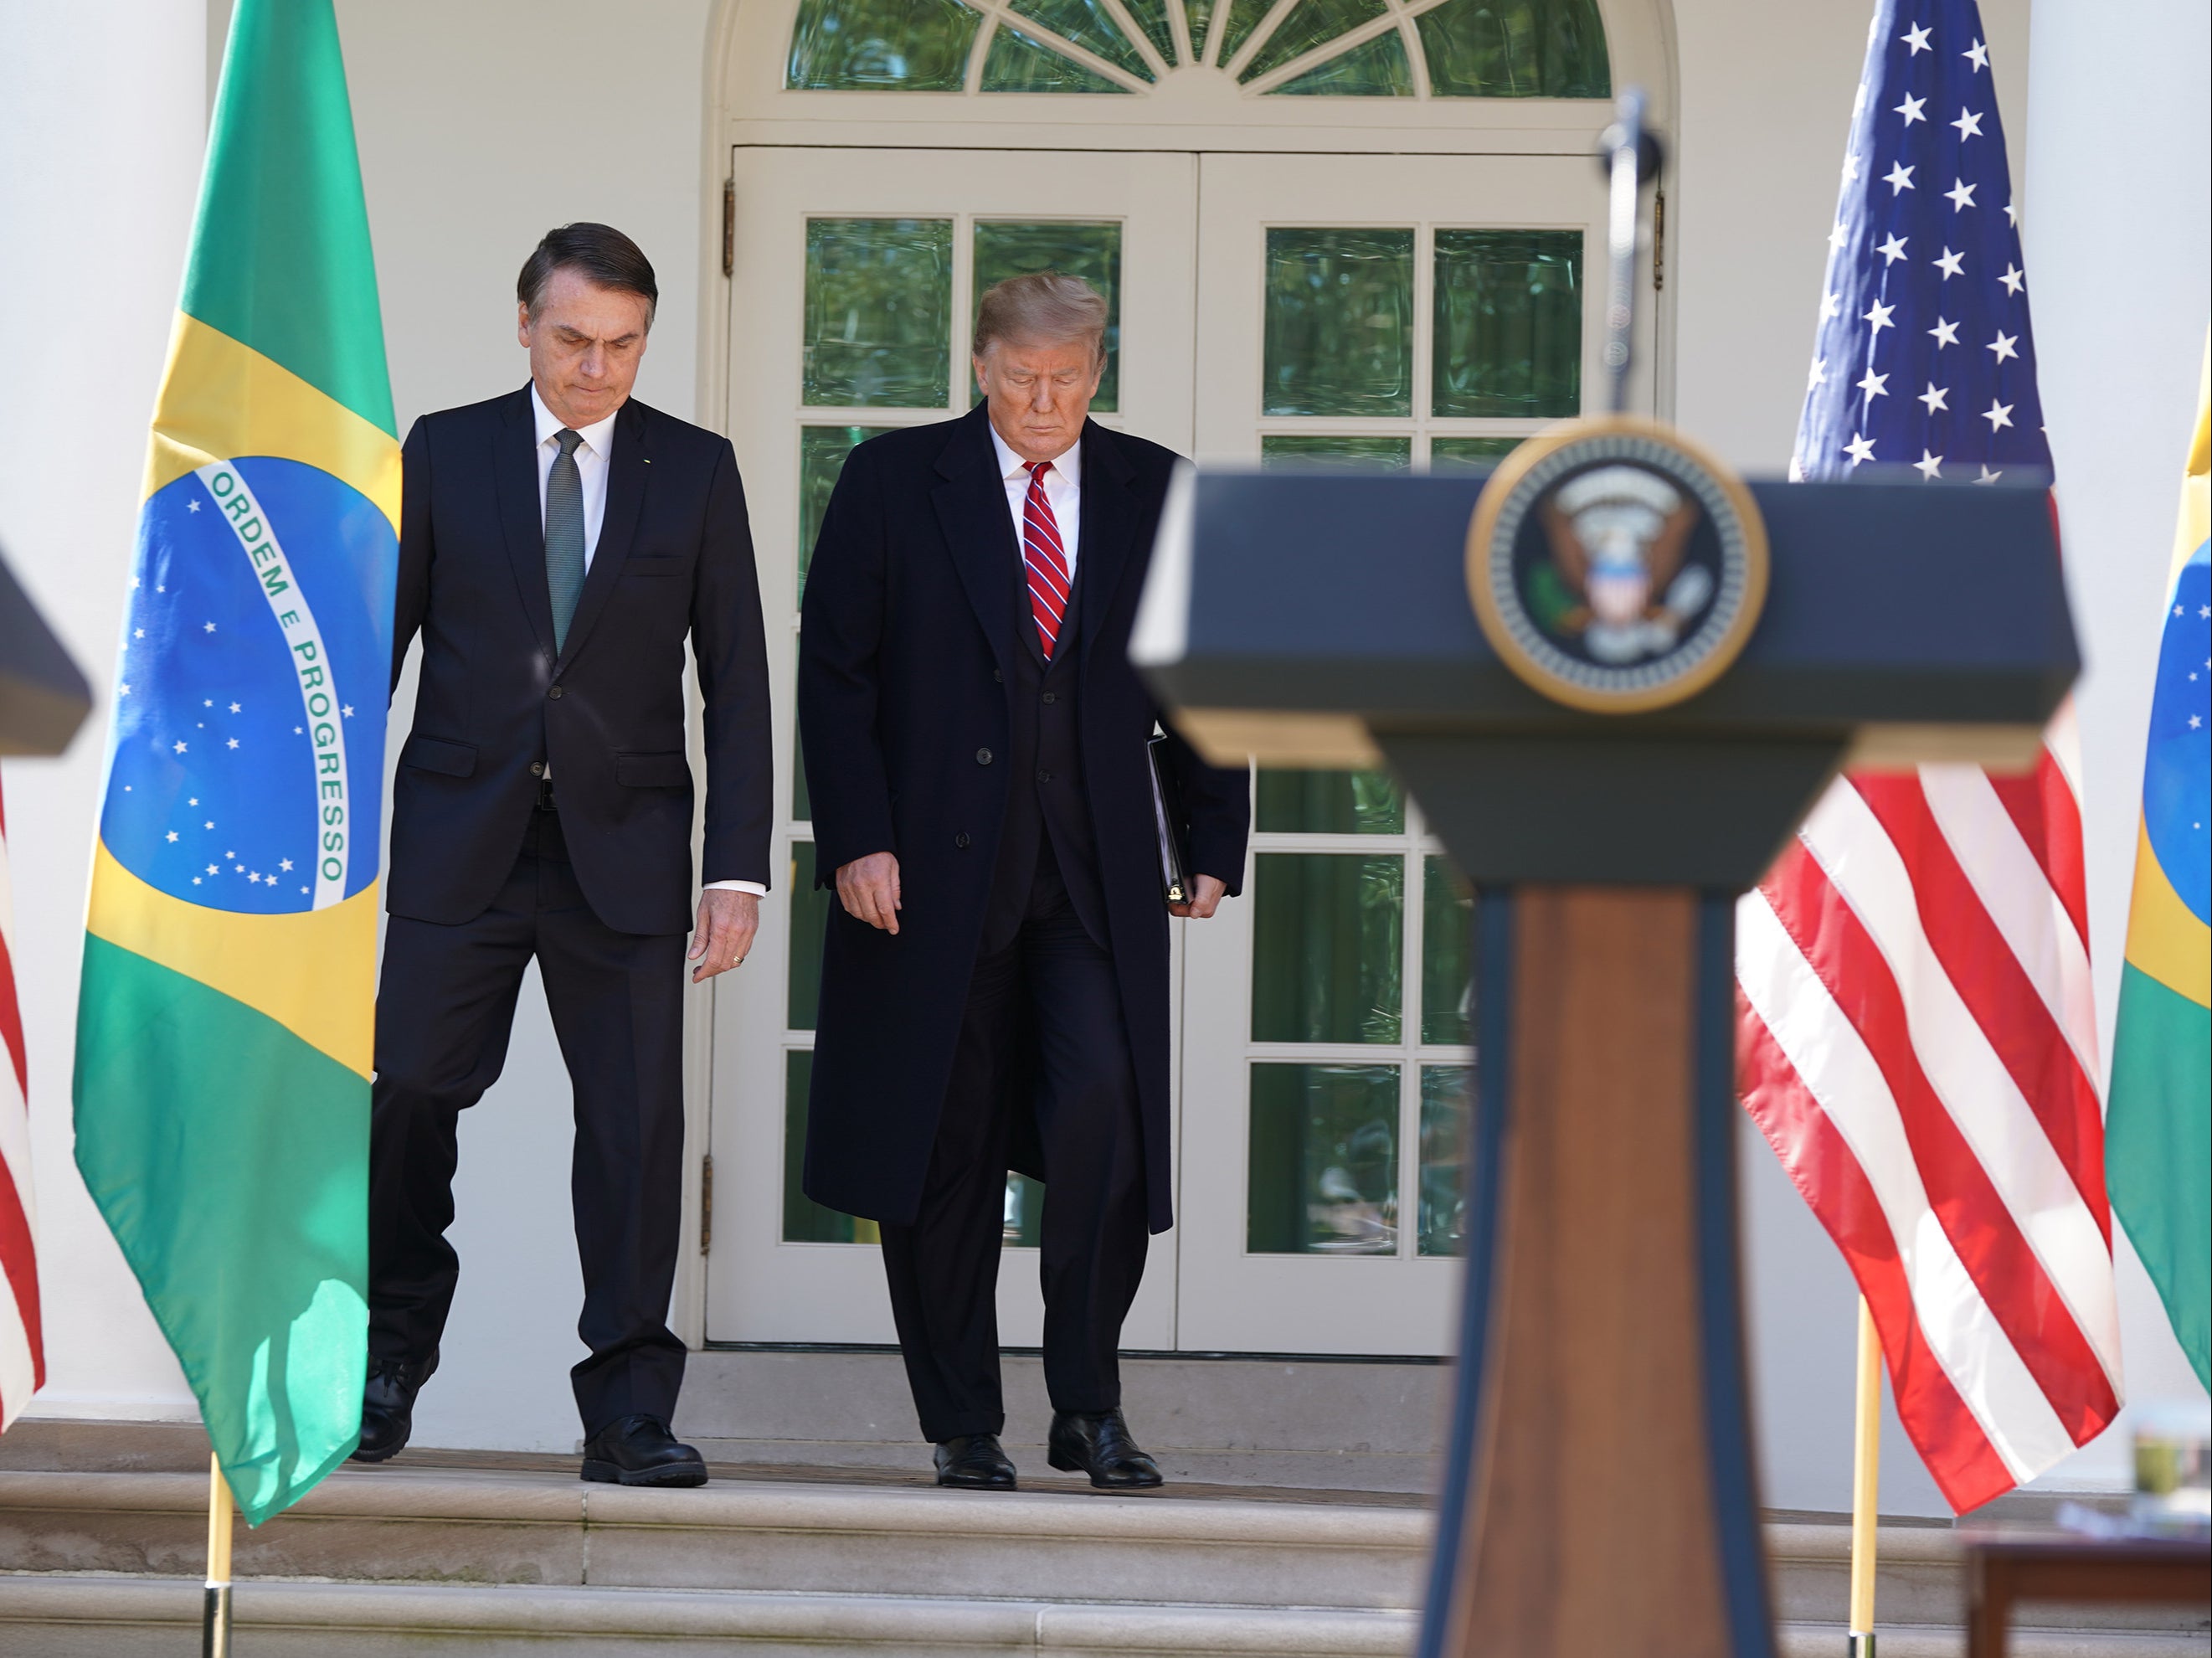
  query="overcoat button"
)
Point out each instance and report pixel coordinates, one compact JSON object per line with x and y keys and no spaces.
{"x":537,"y":769}
{"x":960,"y":841}
{"x":1051,"y":697}
{"x":1044,"y":777}
{"x":998,"y":678}
{"x":982,"y":756}
{"x":555,"y":693}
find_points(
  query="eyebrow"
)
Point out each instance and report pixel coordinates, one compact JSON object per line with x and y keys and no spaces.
{"x":568,"y":333}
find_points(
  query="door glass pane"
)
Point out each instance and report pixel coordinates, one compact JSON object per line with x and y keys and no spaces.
{"x":806,"y":1221}
{"x":1509,"y":322}
{"x":1152,"y":16}
{"x":822,"y":452}
{"x":1325,"y":449}
{"x":878,"y":312}
{"x":1322,"y":1163}
{"x":900,"y":46}
{"x":1446,"y":1107}
{"x":1092,"y":251}
{"x":810,"y":918}
{"x":1019,"y":63}
{"x":1515,"y":48}
{"x":1447,"y":923}
{"x":1311,"y":23}
{"x":1198,"y":14}
{"x":1373,"y":69}
{"x":1239,"y":19}
{"x":1339,"y":322}
{"x":1329,"y":803}
{"x":1451,"y":454}
{"x":1025,"y":1215}
{"x":1326,"y":931}
{"x":1086,"y":23}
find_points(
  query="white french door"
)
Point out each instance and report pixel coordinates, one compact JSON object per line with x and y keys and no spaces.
{"x":1387,"y":311}
{"x":854,"y":281}
{"x":1408,"y":311}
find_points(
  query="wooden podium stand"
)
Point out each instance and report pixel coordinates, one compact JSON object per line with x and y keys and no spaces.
{"x":1600,"y":1495}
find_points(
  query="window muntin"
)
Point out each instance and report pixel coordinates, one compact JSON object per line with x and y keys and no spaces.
{"x":1415,"y":49}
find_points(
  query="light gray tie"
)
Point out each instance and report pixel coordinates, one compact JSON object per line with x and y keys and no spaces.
{"x":564,"y":535}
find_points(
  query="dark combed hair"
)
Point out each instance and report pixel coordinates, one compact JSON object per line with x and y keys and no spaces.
{"x":602,"y":253}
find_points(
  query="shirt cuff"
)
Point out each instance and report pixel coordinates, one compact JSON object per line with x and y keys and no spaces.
{"x":753,"y":887}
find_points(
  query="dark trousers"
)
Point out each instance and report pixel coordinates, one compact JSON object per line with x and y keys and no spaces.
{"x":1056,"y":982}
{"x":443,"y":1013}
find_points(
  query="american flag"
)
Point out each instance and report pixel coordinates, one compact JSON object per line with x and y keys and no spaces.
{"x":23,"y":1356}
{"x":1916,"y":1037}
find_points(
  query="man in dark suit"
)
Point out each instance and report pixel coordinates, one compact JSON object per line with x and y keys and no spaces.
{"x":558,"y":546}
{"x":995,"y":981}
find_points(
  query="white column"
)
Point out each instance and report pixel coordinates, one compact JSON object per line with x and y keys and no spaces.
{"x":102,"y":118}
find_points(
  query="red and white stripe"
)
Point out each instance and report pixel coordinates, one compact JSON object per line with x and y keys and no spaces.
{"x":22,"y":1355}
{"x":1044,"y":558}
{"x":1916,"y":1040}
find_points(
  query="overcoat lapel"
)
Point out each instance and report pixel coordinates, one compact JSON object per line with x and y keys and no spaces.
{"x":971,"y":506}
{"x":514,"y":472}
{"x":1109,"y":515}
{"x":627,"y":469}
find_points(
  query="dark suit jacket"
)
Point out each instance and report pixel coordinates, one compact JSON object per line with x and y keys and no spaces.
{"x":674,"y":559}
{"x":905,"y":673}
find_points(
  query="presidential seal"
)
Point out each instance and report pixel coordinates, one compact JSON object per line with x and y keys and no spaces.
{"x":1615,"y":567}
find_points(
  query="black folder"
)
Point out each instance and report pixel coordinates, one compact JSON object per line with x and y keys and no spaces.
{"x":1172,"y":824}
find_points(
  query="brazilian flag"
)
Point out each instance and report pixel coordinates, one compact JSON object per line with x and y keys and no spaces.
{"x":2158,"y":1126}
{"x":225,"y":1023}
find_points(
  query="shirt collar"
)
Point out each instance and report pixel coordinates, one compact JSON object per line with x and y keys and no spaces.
{"x":1011,"y":466}
{"x":597,"y":436}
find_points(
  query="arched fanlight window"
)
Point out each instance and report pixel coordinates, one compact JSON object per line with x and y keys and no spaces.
{"x":1324,"y":48}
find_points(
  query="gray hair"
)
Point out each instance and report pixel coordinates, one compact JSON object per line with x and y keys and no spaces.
{"x":1044,"y":308}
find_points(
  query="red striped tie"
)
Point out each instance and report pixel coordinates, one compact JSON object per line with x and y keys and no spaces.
{"x":1045,"y":563}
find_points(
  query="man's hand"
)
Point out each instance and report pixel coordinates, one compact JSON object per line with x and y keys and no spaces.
{"x":1205,"y":895}
{"x":728,"y":922}
{"x":869,"y":889}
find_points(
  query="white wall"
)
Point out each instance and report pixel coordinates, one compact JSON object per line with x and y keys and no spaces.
{"x":2119,"y":233}
{"x":100,"y":162}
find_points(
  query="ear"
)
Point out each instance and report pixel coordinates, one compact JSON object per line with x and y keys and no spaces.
{"x":522,"y":325}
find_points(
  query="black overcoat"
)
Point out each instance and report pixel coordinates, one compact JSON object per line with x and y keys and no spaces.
{"x":905,"y":675}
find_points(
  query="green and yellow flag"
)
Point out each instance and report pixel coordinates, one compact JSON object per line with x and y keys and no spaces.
{"x":2158,"y":1132}
{"x":224,"y":1030}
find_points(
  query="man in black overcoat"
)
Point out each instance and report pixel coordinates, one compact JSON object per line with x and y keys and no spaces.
{"x":995,"y":981}
{"x":558,"y":548}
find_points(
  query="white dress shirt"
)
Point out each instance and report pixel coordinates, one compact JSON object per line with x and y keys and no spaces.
{"x":593,"y":456}
{"x":1063,"y":489}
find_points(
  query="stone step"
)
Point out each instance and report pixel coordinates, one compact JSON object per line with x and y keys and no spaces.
{"x":780,"y":1552}
{"x":1364,"y":1425}
{"x":68,"y":1616}
{"x":398,"y":1524}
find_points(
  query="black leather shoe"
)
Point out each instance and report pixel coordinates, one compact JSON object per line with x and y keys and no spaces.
{"x":1100,"y":1446}
{"x":974,"y":1462}
{"x":638,"y":1450}
{"x":387,"y":1407}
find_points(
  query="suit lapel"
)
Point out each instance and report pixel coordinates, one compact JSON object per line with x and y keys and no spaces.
{"x":971,"y":506}
{"x":514,"y":473}
{"x":1110,"y":517}
{"x":628,"y":468}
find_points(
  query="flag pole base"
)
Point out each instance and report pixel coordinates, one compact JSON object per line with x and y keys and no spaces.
{"x":215,"y":1622}
{"x":1862,"y":1646}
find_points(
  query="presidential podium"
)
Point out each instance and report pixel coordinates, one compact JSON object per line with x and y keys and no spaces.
{"x":1600,"y":1496}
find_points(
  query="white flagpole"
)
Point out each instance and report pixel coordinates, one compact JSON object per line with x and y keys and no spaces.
{"x":214,"y":1626}
{"x":1866,"y":1482}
